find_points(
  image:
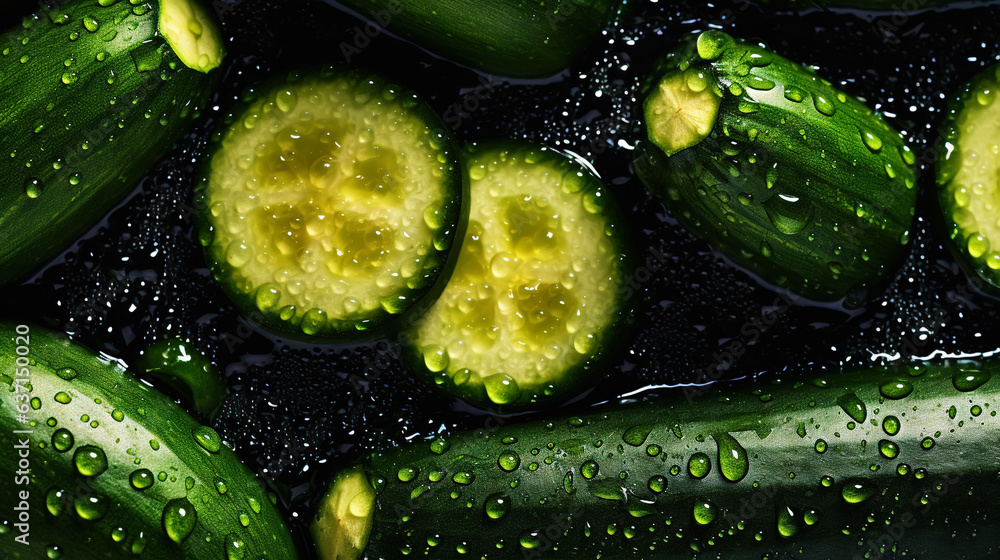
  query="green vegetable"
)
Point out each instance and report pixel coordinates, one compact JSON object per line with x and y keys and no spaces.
{"x":187,"y":371}
{"x":92,"y":94}
{"x":967,"y":177}
{"x":540,"y":290}
{"x":332,"y":200}
{"x":516,"y":38}
{"x":98,"y":465}
{"x":787,"y":176}
{"x":891,"y":462}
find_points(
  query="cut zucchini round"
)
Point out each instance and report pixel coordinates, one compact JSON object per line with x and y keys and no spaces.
{"x":540,"y":287}
{"x":968,"y":177}
{"x":331,"y":204}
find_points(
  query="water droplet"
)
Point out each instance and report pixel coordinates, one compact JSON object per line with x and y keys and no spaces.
{"x":890,"y":424}
{"x":824,"y":105}
{"x":91,"y":507}
{"x":62,"y":440}
{"x":657,"y":483}
{"x":407,"y":474}
{"x":788,"y":214}
{"x":970,"y":380}
{"x":141,"y":479}
{"x":927,"y":442}
{"x":501,"y":388}
{"x":734,"y":463}
{"x":699,"y":465}
{"x":788,"y":522}
{"x":63,"y":398}
{"x":820,"y":446}
{"x":235,"y":547}
{"x":497,"y":505}
{"x":55,"y":500}
{"x":208,"y":439}
{"x":705,"y":512}
{"x":117,"y":415}
{"x":90,"y":460}
{"x":439,"y":446}
{"x":636,"y":435}
{"x":853,"y":406}
{"x":119,"y":534}
{"x":179,"y":518}
{"x":589,"y":469}
{"x":794,"y":94}
{"x":895,"y":389}
{"x":855,"y":492}
{"x":147,"y":57}
{"x":91,"y":24}
{"x":872,"y":142}
{"x":464,"y":477}
{"x":711,"y":44}
{"x":33,"y":188}
{"x":509,"y":461}
{"x":760,"y":84}
{"x":53,"y":552}
{"x":888,"y":449}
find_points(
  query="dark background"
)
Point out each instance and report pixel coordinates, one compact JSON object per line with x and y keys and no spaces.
{"x":297,"y":412}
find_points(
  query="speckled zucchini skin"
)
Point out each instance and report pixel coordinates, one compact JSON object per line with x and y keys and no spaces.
{"x":797,"y":182}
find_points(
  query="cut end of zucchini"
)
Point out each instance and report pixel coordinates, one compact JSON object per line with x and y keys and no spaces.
{"x":333,"y":202}
{"x":345,"y":515}
{"x":192,"y":33}
{"x":538,"y":284}
{"x":968,"y":177}
{"x":681,"y":111}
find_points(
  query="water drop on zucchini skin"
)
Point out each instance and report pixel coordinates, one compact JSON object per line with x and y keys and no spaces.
{"x":179,"y":518}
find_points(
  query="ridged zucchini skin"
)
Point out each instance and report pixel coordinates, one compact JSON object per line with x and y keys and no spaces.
{"x":967,"y":184}
{"x":514,"y":38}
{"x":876,"y":462}
{"x":81,"y":404}
{"x":91,"y":96}
{"x":796,"y":181}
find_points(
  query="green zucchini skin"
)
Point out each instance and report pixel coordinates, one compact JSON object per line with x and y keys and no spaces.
{"x":797,"y":182}
{"x":780,"y":471}
{"x":147,"y":441}
{"x":84,"y":115}
{"x":514,"y":38}
{"x":966,"y":175}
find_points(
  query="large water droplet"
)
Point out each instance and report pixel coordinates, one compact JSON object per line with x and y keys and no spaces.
{"x":699,"y":465}
{"x":509,"y":461}
{"x":33,"y":187}
{"x":497,"y":505}
{"x":91,"y":507}
{"x":853,"y":406}
{"x":967,"y":380}
{"x":90,"y":460}
{"x":857,"y":491}
{"x":208,"y":439}
{"x":589,"y":469}
{"x":890,"y":424}
{"x":141,"y":479}
{"x":896,"y":389}
{"x":55,"y":500}
{"x":179,"y":518}
{"x":501,"y":388}
{"x":788,"y":522}
{"x":705,"y":512}
{"x":636,"y":435}
{"x":871,"y":141}
{"x":788,"y":214}
{"x":888,"y":449}
{"x":62,"y":440}
{"x":734,"y":463}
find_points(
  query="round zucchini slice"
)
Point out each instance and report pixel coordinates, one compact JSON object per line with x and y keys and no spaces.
{"x":331,"y":201}
{"x":968,"y":178}
{"x":540,"y":287}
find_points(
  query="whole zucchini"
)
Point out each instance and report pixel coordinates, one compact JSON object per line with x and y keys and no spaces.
{"x":871,"y":463}
{"x":515,"y":38}
{"x":98,"y":465}
{"x":92,"y":94}
{"x":783,"y":173}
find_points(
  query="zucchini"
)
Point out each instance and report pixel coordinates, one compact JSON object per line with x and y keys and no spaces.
{"x":540,"y":290}
{"x":331,"y":201}
{"x":190,"y":373}
{"x":967,"y":178}
{"x":787,"y":176}
{"x":98,"y":465}
{"x":875,"y":462}
{"x":514,"y":38}
{"x":92,"y":94}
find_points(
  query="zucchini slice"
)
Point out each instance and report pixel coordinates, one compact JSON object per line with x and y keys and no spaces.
{"x":539,"y":289}
{"x":873,"y":462}
{"x":967,"y":177}
{"x":331,"y":204}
